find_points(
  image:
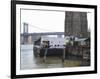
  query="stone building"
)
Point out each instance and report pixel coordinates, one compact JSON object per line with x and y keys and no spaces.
{"x":76,"y":24}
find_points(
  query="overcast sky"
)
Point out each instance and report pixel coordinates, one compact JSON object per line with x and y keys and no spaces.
{"x":44,"y":21}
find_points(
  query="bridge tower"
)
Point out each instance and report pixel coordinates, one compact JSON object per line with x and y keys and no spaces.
{"x":76,"y":24}
{"x":25,"y":32}
{"x":25,"y":28}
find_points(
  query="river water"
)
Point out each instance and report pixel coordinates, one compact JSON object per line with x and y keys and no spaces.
{"x":29,"y":61}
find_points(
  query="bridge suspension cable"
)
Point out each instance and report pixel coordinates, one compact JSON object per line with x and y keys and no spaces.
{"x":30,"y":25}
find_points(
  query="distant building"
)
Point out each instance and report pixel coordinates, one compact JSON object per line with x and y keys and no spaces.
{"x":76,"y":24}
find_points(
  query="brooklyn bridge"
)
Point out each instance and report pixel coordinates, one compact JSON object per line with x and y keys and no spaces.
{"x":76,"y":24}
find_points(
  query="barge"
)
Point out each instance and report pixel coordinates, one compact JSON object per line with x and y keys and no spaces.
{"x":62,"y":47}
{"x":49,"y":46}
